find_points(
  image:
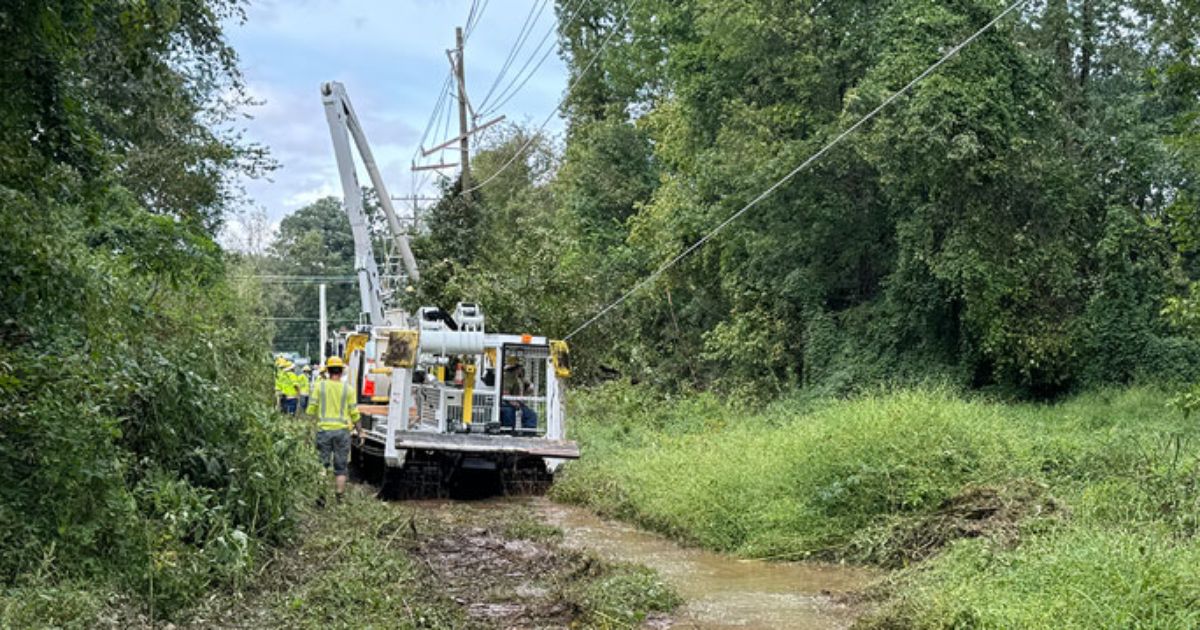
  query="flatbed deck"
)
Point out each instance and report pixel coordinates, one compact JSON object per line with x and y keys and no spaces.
{"x":484,"y":443}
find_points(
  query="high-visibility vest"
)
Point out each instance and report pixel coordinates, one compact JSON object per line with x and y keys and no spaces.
{"x":284,"y":384}
{"x":301,"y":382}
{"x":333,"y":402}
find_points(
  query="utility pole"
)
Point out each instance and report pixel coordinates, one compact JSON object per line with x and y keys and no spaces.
{"x":466,"y":116}
{"x":465,"y":141}
{"x":323,"y":324}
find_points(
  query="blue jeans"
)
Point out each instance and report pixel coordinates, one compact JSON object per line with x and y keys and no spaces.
{"x":289,"y":406}
{"x":508,"y":416}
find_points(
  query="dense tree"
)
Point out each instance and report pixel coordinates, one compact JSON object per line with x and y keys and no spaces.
{"x":138,"y":447}
{"x":1002,"y":224}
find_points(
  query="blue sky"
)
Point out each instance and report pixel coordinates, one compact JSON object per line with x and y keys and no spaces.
{"x":391,"y":55}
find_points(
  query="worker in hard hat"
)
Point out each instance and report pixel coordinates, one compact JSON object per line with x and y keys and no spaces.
{"x":286,"y":384}
{"x":516,"y":386}
{"x":301,"y":379}
{"x":334,"y":404}
{"x":301,"y":384}
{"x":278,"y":389}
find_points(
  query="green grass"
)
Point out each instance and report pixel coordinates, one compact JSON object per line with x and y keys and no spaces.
{"x":1078,"y":514}
{"x":1081,"y":577}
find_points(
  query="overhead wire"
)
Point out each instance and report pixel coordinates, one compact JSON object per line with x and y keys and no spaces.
{"x":522,"y":36}
{"x":437,"y":107}
{"x":617,"y":26}
{"x":509,"y":91}
{"x":470,"y":15}
{"x":301,"y":279}
{"x":803,"y":165}
{"x":443,"y":114}
{"x":474,"y":15}
{"x":470,"y":28}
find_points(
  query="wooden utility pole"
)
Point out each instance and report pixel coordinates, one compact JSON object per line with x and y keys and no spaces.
{"x":465,"y":141}
{"x":465,"y":113}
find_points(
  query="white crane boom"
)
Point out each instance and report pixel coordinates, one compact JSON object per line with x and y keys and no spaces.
{"x":344,"y":124}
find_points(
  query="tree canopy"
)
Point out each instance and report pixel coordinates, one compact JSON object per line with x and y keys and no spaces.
{"x":1019,"y":220}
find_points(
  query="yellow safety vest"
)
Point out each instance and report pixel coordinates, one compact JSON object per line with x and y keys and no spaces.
{"x":333,"y":404}
{"x":285,"y":384}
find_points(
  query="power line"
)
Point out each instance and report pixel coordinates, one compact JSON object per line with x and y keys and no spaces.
{"x":285,"y":277}
{"x":472,"y":24}
{"x":534,"y":136}
{"x":437,"y":108}
{"x":508,"y":92}
{"x":471,"y":13}
{"x":522,"y":36}
{"x":474,"y":15}
{"x":301,"y":279}
{"x":304,"y":319}
{"x":506,"y":98}
{"x":803,"y":165}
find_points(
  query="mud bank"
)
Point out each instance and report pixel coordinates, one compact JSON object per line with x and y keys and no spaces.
{"x":718,"y":590}
{"x":371,"y":563}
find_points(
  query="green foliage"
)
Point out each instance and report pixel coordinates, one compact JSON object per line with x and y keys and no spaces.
{"x":139,"y":442}
{"x":755,"y":483}
{"x":51,"y":606}
{"x":1075,"y":578}
{"x":314,"y":241}
{"x":139,"y":450}
{"x":625,"y":597}
{"x":1014,"y":222}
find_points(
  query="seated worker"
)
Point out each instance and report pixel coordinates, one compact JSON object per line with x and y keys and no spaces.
{"x":516,"y":385}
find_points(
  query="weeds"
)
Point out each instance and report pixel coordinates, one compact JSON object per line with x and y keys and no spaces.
{"x":1011,"y":513}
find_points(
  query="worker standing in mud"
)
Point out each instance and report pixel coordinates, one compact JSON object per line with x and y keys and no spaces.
{"x":302,"y":387}
{"x":333,"y":403}
{"x":285,"y":384}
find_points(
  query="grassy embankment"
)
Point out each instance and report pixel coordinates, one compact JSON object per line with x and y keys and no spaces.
{"x":374,"y":564}
{"x":1080,"y":514}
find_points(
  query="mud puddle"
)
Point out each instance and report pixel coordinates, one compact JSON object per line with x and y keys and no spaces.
{"x":720,"y":591}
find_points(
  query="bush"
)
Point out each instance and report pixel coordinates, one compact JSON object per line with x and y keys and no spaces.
{"x":139,"y":445}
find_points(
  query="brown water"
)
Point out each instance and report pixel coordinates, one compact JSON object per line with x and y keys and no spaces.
{"x":720,"y":591}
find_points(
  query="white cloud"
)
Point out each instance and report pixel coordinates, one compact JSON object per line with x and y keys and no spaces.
{"x":391,"y":56}
{"x":305,"y":197}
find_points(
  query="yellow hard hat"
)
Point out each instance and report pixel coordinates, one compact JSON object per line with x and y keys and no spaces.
{"x":280,"y":361}
{"x":308,"y":368}
{"x":286,"y":365}
{"x":335,"y":362}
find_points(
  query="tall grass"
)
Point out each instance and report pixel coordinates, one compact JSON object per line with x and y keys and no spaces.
{"x":1069,"y":492}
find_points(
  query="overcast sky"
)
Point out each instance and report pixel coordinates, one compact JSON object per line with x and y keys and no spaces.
{"x":391,"y":55}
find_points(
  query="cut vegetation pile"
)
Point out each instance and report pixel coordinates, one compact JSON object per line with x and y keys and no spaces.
{"x":1080,"y":514}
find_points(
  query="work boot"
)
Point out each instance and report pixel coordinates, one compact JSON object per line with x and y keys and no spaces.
{"x":340,"y":497}
{"x":321,"y":502}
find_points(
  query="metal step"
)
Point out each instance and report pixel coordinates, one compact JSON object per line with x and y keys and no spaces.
{"x":484,"y":443}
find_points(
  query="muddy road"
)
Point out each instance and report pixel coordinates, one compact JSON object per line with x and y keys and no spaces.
{"x":719,"y":591}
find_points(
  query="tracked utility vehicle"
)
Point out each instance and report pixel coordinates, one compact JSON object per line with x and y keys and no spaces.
{"x":442,"y":398}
